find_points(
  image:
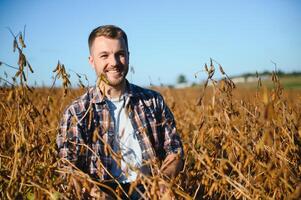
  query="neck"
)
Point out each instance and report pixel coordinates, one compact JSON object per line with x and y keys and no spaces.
{"x":114,"y":92}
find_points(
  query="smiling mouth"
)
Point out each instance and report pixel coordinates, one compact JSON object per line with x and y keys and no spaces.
{"x":114,"y":72}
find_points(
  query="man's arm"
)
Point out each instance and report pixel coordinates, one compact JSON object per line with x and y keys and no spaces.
{"x":68,"y":137}
{"x":173,"y":163}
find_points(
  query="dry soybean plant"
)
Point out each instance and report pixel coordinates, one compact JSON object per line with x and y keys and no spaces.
{"x":238,"y":143}
{"x":238,"y":149}
{"x":27,"y":149}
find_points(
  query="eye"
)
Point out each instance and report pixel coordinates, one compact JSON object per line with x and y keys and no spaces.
{"x":103,"y":56}
{"x":121,"y":54}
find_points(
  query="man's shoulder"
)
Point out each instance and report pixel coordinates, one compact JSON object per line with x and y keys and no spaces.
{"x":81,"y":103}
{"x":145,"y":93}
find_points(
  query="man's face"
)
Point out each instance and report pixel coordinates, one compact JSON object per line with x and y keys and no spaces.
{"x":110,"y":57}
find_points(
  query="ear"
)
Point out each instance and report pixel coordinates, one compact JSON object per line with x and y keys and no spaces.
{"x":91,"y":61}
{"x":128,"y":57}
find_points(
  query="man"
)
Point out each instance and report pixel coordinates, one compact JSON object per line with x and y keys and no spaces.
{"x":118,"y":130}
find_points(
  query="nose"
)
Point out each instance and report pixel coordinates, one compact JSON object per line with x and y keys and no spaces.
{"x":114,"y":60}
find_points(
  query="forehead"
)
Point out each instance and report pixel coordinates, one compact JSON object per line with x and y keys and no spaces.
{"x":103,"y":43}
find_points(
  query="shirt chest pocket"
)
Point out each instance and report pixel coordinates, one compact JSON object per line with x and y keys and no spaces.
{"x":101,"y":140}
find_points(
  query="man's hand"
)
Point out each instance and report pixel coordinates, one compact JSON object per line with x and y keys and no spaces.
{"x":172,"y":165}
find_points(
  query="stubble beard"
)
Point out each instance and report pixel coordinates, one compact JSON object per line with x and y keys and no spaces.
{"x":117,"y":82}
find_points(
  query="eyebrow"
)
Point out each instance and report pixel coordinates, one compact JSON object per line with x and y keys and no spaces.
{"x":103,"y":52}
{"x":106,"y":52}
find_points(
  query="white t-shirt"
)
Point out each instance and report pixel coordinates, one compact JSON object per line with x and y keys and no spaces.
{"x":126,"y":143}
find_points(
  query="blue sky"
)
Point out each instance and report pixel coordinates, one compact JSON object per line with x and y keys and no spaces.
{"x":166,"y":38}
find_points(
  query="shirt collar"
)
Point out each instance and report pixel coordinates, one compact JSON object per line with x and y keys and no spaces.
{"x":98,"y":97}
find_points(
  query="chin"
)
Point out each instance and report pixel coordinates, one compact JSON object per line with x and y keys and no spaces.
{"x":116,"y":82}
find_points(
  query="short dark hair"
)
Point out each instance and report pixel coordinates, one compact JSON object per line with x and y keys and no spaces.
{"x":109,"y":31}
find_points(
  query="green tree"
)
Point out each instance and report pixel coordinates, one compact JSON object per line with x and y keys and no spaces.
{"x":181,"y":79}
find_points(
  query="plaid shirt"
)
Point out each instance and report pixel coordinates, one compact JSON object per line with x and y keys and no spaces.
{"x":87,"y":128}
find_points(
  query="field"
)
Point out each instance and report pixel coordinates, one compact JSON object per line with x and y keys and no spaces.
{"x":240,"y":143}
{"x":287,"y":82}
